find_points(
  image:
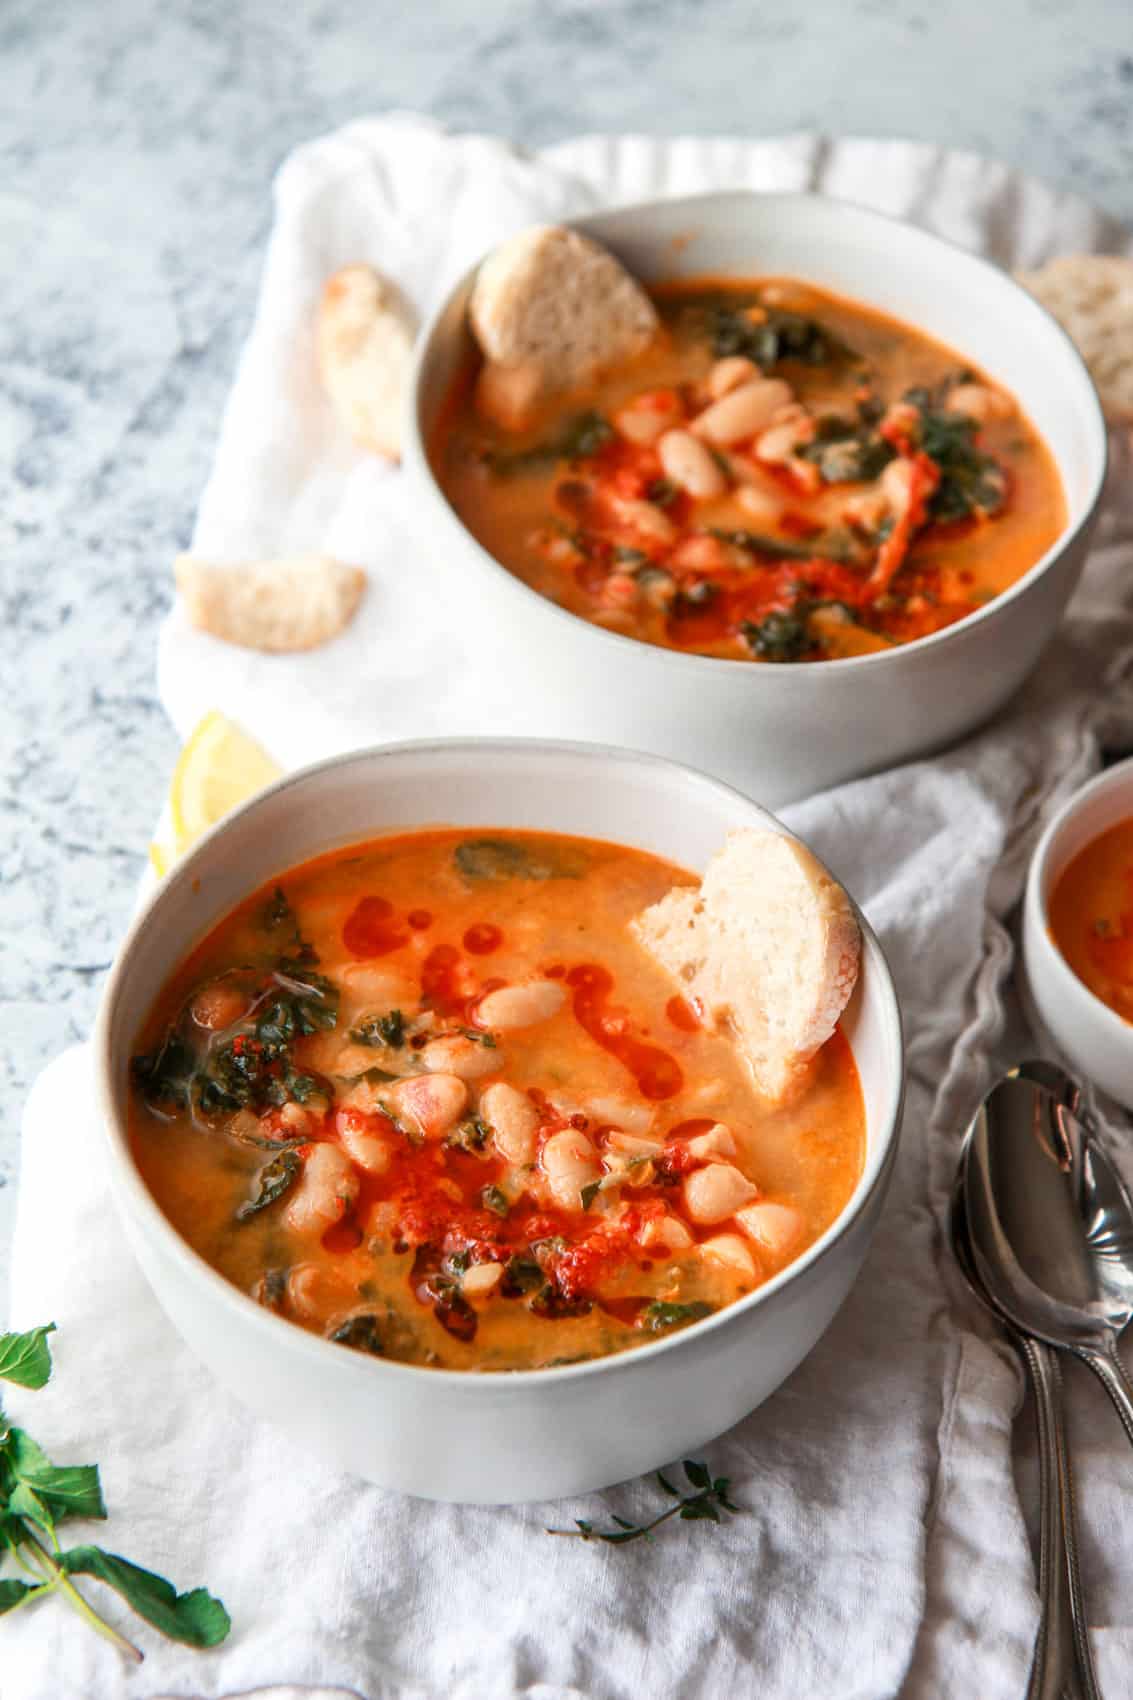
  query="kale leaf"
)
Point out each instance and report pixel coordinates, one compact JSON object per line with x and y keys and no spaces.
{"x":779,"y":636}
{"x":273,"y":1180}
{"x":579,"y":439}
{"x":659,"y":1314}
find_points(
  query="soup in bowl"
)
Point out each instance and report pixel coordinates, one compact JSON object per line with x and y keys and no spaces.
{"x":781,"y":476}
{"x":858,"y":571}
{"x":421,"y":1147}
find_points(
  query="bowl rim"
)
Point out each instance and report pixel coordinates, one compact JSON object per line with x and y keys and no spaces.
{"x":874,"y":1176}
{"x":418,"y":462}
{"x":1117,"y":778}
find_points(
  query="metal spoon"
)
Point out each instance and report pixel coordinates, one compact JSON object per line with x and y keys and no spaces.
{"x":1062,"y":1668}
{"x":1051,"y":1228}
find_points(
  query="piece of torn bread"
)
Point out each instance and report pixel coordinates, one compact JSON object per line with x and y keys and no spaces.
{"x":768,"y":945}
{"x":1091,"y":296}
{"x":365,"y":339}
{"x":550,"y":310}
{"x":297,"y":602}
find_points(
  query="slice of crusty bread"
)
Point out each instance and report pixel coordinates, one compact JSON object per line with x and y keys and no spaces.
{"x":365,"y":337}
{"x":1091,"y":296}
{"x":297,"y":602}
{"x":768,"y":945}
{"x":557,"y":308}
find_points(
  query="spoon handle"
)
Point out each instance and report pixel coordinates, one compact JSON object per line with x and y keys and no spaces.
{"x":1110,"y":1371}
{"x":1062,"y":1668}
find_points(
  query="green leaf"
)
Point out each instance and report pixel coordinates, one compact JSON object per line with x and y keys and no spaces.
{"x":274,"y":1180}
{"x":23,"y":1501}
{"x":757,"y":543}
{"x":196,"y":1618}
{"x":68,"y":1490}
{"x":779,"y":636}
{"x":12,"y":1592}
{"x":697,"y":1474}
{"x":381,"y":1030}
{"x":580,"y":437}
{"x":589,"y":1193}
{"x":26,"y":1358}
{"x":699,"y":1510}
{"x":504,"y":859}
{"x":362,"y":1333}
{"x":659,"y":1314}
{"x":663,"y":1482}
{"x":495,"y":1200}
{"x":776,"y":335}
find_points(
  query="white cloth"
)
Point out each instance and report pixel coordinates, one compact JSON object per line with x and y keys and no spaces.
{"x":884,"y":1551}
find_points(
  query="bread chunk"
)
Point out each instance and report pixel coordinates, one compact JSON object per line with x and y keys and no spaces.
{"x":550,"y":310}
{"x":297,"y":602}
{"x":768,"y":946}
{"x":365,"y":338}
{"x":1091,"y":296}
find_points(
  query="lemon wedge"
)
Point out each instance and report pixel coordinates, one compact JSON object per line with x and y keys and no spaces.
{"x":219,"y":767}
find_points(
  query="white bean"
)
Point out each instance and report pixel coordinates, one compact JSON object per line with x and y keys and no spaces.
{"x":298,"y":1120}
{"x":431,"y":1102}
{"x":369,"y":1150}
{"x":731,"y":1250}
{"x":314,"y":1291}
{"x":743,"y":412}
{"x":667,"y":1231}
{"x":644,"y":419}
{"x":384,"y":988}
{"x":327,"y":1188}
{"x":481,"y":1279}
{"x":776,"y":1227}
{"x":513,"y":1119}
{"x":728,"y":374}
{"x":218,"y":1004}
{"x":643,"y":517}
{"x":511,"y":1007}
{"x":628,"y":1113}
{"x":866,"y":508}
{"x":717,"y":1141}
{"x":759,"y":505}
{"x":631,"y":1145}
{"x":569,"y":1162}
{"x":466,"y":1058}
{"x":688,"y":463}
{"x":980,"y":403}
{"x":778,"y":444}
{"x":717,"y":1192}
{"x":897,"y":485}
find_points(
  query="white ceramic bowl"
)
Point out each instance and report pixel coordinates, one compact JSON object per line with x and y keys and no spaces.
{"x":447,"y":1434}
{"x":1094,"y":1037}
{"x":785,"y":731}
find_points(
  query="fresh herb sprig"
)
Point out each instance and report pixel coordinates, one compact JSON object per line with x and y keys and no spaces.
{"x":711,"y":1496}
{"x":37,"y":1495}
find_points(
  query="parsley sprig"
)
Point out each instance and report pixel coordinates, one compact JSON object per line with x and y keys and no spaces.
{"x":37,"y":1495}
{"x":704,"y":1505}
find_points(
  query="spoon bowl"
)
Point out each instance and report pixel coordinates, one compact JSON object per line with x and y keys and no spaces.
{"x":1050,"y":1225}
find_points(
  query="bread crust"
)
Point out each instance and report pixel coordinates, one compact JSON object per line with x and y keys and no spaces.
{"x":558,"y":308}
{"x":294,"y":603}
{"x":365,"y":335}
{"x":769,"y":949}
{"x":1091,"y":296}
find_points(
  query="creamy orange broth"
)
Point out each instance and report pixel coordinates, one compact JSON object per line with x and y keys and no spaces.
{"x":397,"y":946}
{"x":1091,"y":916}
{"x":844,"y":545}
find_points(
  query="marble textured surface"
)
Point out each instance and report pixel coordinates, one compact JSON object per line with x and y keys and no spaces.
{"x":138,"y":145}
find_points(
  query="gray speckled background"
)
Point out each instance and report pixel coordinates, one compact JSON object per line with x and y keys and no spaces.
{"x":138,"y":145}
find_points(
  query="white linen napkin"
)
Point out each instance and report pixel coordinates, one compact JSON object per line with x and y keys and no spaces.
{"x":883,"y":1551}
